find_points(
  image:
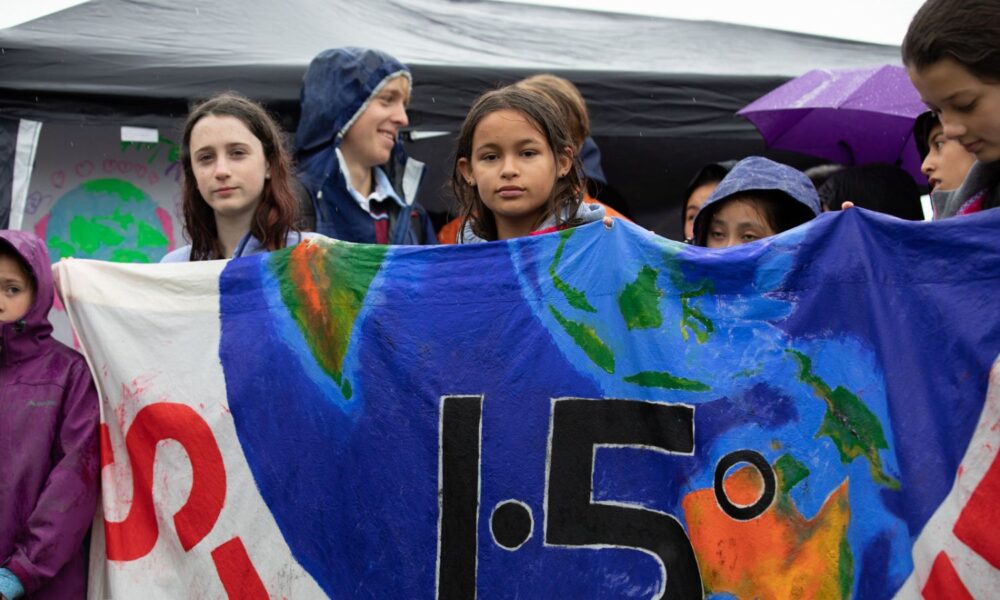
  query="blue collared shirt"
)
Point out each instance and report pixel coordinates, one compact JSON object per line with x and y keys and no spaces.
{"x":381,"y":189}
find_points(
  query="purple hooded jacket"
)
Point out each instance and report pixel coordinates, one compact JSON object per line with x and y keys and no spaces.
{"x":49,"y":458}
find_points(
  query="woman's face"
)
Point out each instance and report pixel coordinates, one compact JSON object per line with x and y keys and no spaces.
{"x":229,"y":165}
{"x":968,"y":107}
{"x":694,"y":203}
{"x":737,"y":221}
{"x":947,"y":162}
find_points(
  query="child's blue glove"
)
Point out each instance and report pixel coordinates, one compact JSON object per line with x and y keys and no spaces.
{"x":10,"y":586}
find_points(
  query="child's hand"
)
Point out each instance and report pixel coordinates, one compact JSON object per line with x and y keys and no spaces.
{"x":609,"y":222}
{"x":846,"y":205}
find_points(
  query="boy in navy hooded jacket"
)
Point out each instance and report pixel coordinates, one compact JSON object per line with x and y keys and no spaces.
{"x":349,"y":152}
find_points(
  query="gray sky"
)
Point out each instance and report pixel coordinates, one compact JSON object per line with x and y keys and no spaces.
{"x":879,"y":21}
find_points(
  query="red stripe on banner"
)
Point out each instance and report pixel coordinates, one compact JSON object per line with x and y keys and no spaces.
{"x":135,"y":536}
{"x":107,"y":454}
{"x":237,"y":573}
{"x":944,"y":583}
{"x":976,"y":526}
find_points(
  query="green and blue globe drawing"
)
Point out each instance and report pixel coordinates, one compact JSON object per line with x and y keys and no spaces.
{"x":108,"y":219}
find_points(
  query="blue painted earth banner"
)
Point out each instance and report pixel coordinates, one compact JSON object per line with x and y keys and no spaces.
{"x":592,"y":413}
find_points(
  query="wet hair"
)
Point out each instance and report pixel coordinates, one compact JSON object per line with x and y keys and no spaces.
{"x":820,"y":173}
{"x":878,"y":187}
{"x":277,"y":212}
{"x":567,"y":99}
{"x":541,"y":112}
{"x":922,"y":128}
{"x":8,"y":249}
{"x":780,"y":211}
{"x":965,"y":31}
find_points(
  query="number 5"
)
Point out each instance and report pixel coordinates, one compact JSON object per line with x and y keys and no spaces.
{"x":572,"y":518}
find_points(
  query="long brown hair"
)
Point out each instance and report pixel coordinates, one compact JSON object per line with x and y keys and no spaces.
{"x":967,"y":31}
{"x":541,"y":112}
{"x":567,"y":99}
{"x":275,"y":215}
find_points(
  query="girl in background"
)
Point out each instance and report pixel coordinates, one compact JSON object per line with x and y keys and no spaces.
{"x":237,"y":196}
{"x":944,"y":161}
{"x":757,"y":199}
{"x":48,"y":436}
{"x":516,"y":172}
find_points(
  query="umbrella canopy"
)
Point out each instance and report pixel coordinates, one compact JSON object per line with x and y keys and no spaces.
{"x":849,"y":116}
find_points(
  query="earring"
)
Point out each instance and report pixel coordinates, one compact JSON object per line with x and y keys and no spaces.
{"x":471,"y":182}
{"x":267,"y":175}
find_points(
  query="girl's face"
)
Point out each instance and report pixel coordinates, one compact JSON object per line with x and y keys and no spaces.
{"x":947,"y":162}
{"x":513,"y":169}
{"x":737,"y":221}
{"x":370,"y":140}
{"x":694,"y":203}
{"x":16,"y":293}
{"x":969,"y":107}
{"x":229,"y":166}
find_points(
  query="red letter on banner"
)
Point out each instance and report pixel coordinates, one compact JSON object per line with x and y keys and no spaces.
{"x":976,"y":526}
{"x":135,"y":536}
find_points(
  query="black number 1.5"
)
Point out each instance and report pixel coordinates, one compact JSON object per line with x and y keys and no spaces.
{"x":572,"y":517}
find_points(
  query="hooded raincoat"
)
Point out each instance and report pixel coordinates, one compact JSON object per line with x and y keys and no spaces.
{"x":49,"y":460}
{"x":756,"y":173}
{"x":338,"y":86}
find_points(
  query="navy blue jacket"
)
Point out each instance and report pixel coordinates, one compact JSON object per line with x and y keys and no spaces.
{"x":336,"y":89}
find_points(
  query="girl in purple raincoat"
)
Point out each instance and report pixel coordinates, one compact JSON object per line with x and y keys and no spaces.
{"x":49,"y":459}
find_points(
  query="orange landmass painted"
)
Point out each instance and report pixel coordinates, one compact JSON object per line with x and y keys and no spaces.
{"x":780,"y":554}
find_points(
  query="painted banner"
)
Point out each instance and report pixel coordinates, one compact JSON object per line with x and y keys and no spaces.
{"x":596,"y":413}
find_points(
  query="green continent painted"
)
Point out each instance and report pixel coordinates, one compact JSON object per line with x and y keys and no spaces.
{"x":88,"y":234}
{"x":576,"y":298}
{"x":588,"y":341}
{"x":662,"y":379}
{"x":693,"y":320}
{"x":790,"y":472}
{"x":150,"y":236}
{"x":639,"y":302}
{"x":854,"y":429}
{"x":115,"y":187}
{"x":324,"y":284}
{"x":845,"y":568}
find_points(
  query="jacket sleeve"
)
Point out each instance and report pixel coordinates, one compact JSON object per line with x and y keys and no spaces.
{"x":59,"y":522}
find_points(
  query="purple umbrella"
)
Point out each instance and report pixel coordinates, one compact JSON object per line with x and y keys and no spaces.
{"x":849,"y":116}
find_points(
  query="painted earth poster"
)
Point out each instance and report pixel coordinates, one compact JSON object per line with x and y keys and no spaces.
{"x":92,"y":195}
{"x":595,"y":413}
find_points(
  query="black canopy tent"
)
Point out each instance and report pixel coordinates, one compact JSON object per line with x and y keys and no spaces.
{"x":662,"y":93}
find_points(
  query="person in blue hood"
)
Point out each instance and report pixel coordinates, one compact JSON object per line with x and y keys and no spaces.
{"x":757,"y":199}
{"x":349,"y":151}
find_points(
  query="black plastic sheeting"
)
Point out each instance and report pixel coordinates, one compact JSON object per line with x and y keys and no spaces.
{"x":662,"y":93}
{"x":8,"y":152}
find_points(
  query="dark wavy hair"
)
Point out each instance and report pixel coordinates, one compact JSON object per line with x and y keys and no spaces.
{"x":277,"y":212}
{"x":967,"y":31}
{"x":539,"y":109}
{"x":879,"y":187}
